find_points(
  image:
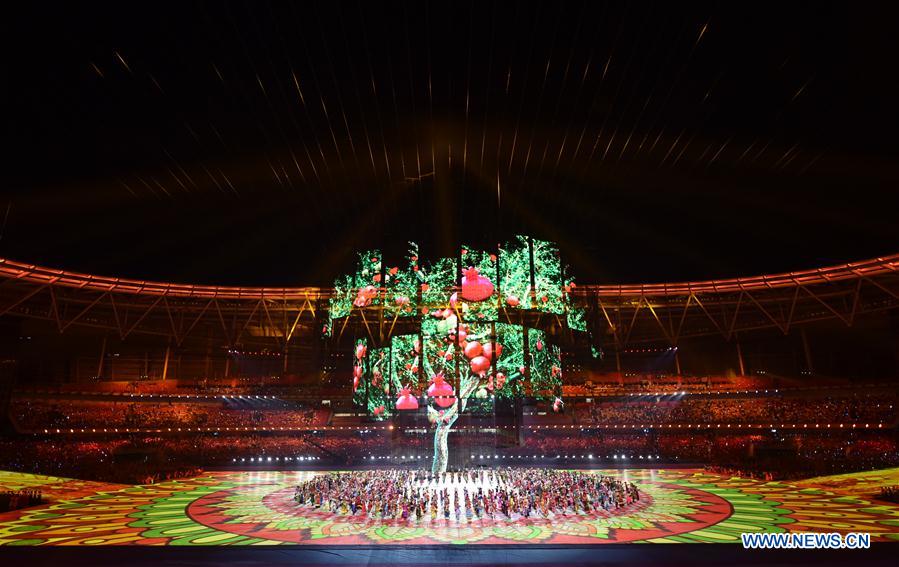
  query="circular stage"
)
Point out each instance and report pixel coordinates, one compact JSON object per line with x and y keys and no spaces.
{"x":664,"y":510}
{"x":258,"y":508}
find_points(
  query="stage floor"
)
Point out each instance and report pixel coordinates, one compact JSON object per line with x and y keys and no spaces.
{"x":256,"y":508}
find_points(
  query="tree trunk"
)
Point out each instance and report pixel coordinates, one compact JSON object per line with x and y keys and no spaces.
{"x":441,"y":447}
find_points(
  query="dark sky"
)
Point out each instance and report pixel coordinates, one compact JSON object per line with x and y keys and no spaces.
{"x":260,"y":143}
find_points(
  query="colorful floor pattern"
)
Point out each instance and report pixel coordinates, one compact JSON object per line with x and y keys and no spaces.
{"x":255,"y":508}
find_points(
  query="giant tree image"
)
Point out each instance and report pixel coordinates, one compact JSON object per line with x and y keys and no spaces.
{"x":436,"y":338}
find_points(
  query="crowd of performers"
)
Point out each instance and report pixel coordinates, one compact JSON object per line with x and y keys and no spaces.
{"x":465,"y":495}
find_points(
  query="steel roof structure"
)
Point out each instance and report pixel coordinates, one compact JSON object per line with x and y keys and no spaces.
{"x":626,"y":314}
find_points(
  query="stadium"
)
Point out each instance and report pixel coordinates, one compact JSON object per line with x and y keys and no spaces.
{"x":351,"y":297}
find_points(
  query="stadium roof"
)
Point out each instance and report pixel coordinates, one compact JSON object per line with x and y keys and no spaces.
{"x":628,"y":314}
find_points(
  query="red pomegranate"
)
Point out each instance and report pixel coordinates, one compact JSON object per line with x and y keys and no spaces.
{"x":473,"y":349}
{"x":378,"y":410}
{"x":357,"y":379}
{"x":441,"y":391}
{"x":539,"y":345}
{"x":357,"y":372}
{"x":445,"y":401}
{"x":480,"y":364}
{"x":437,"y":382}
{"x":512,"y":301}
{"x":488,"y":350}
{"x":406,"y":401}
{"x":364,"y":295}
{"x":475,"y":287}
{"x":558,"y":404}
{"x":360,"y":351}
{"x":500,"y":379}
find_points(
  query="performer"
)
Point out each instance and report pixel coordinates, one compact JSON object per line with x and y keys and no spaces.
{"x":506,"y":493}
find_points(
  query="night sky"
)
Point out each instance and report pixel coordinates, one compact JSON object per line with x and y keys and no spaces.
{"x":261,"y":143}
